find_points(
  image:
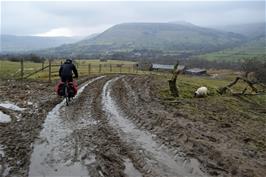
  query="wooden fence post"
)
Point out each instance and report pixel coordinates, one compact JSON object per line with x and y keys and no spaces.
{"x":50,"y":70}
{"x":89,"y":69}
{"x":100,"y":68}
{"x":120,"y":68}
{"x":21,"y":68}
{"x":110,"y":68}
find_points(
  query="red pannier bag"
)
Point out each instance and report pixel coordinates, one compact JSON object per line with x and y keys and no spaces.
{"x":73,"y":88}
{"x":59,"y":88}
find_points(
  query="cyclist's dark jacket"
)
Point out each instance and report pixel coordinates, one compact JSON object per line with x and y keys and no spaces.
{"x":65,"y":71}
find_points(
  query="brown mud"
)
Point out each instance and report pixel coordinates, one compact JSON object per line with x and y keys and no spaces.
{"x":18,"y":136}
{"x":119,"y":126}
{"x":226,"y":142}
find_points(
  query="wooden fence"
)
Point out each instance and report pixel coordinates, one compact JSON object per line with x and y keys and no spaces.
{"x":50,"y":69}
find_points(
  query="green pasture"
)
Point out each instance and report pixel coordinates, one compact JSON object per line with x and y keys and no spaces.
{"x":12,"y":70}
{"x":250,"y":107}
{"x":233,"y":56}
{"x":252,"y":49}
{"x":189,"y":84}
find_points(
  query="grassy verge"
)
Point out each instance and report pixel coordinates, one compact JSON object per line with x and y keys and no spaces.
{"x":242,"y":116}
{"x":251,"y":107}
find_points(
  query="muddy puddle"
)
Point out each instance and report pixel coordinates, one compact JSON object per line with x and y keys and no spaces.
{"x":56,"y":151}
{"x":130,"y":170}
{"x":12,"y":106}
{"x":4,"y":118}
{"x":4,"y":168}
{"x":159,"y":157}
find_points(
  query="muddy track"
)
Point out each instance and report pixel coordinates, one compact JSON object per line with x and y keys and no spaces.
{"x":82,"y":142}
{"x":218,"y":150}
{"x":96,"y":137}
{"x":36,"y":98}
{"x":18,"y":136}
{"x":119,"y":126}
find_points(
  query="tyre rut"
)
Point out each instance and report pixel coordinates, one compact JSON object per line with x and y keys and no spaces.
{"x":155,"y":157}
{"x":94,"y":137}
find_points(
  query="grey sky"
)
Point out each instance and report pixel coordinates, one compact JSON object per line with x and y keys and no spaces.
{"x":85,"y":18}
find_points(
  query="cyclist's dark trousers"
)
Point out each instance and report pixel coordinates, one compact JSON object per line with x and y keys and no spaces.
{"x":66,"y":78}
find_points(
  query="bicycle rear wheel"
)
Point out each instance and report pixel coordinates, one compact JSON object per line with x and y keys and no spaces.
{"x":66,"y":95}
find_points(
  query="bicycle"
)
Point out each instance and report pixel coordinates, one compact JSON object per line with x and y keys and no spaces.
{"x":66,"y":92}
{"x":69,"y":93}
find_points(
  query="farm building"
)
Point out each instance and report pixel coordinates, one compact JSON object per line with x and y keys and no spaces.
{"x":160,"y":67}
{"x":145,"y":66}
{"x":103,"y":60}
{"x":196,"y":71}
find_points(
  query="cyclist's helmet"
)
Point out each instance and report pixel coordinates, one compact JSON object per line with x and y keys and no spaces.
{"x":68,"y":60}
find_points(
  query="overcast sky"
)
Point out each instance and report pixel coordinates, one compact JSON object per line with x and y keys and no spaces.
{"x":85,"y":18}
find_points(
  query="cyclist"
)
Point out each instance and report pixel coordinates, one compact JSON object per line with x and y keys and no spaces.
{"x":66,"y":69}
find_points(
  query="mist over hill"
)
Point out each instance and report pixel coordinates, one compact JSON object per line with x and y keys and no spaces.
{"x":169,"y":38}
{"x":148,"y":40}
{"x":12,"y":43}
{"x":251,"y":31}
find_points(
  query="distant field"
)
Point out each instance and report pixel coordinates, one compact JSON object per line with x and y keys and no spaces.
{"x":248,"y":50}
{"x":12,"y":70}
{"x":234,"y":55}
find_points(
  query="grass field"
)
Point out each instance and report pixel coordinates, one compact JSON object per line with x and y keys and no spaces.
{"x":234,"y":55}
{"x":248,"y":106}
{"x":189,"y":84}
{"x":256,"y":48}
{"x":12,"y":70}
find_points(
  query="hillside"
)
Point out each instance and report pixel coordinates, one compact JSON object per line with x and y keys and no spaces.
{"x":253,"y":48}
{"x":165,"y":37}
{"x":252,"y":31}
{"x":11,"y":43}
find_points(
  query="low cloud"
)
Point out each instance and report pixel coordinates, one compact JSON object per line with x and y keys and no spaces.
{"x":57,"y":32}
{"x":85,"y":18}
{"x":73,"y":31}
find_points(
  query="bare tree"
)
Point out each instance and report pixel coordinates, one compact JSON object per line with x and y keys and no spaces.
{"x":254,"y":74}
{"x":172,"y":82}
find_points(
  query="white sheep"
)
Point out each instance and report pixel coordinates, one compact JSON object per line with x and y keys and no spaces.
{"x":201,"y":92}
